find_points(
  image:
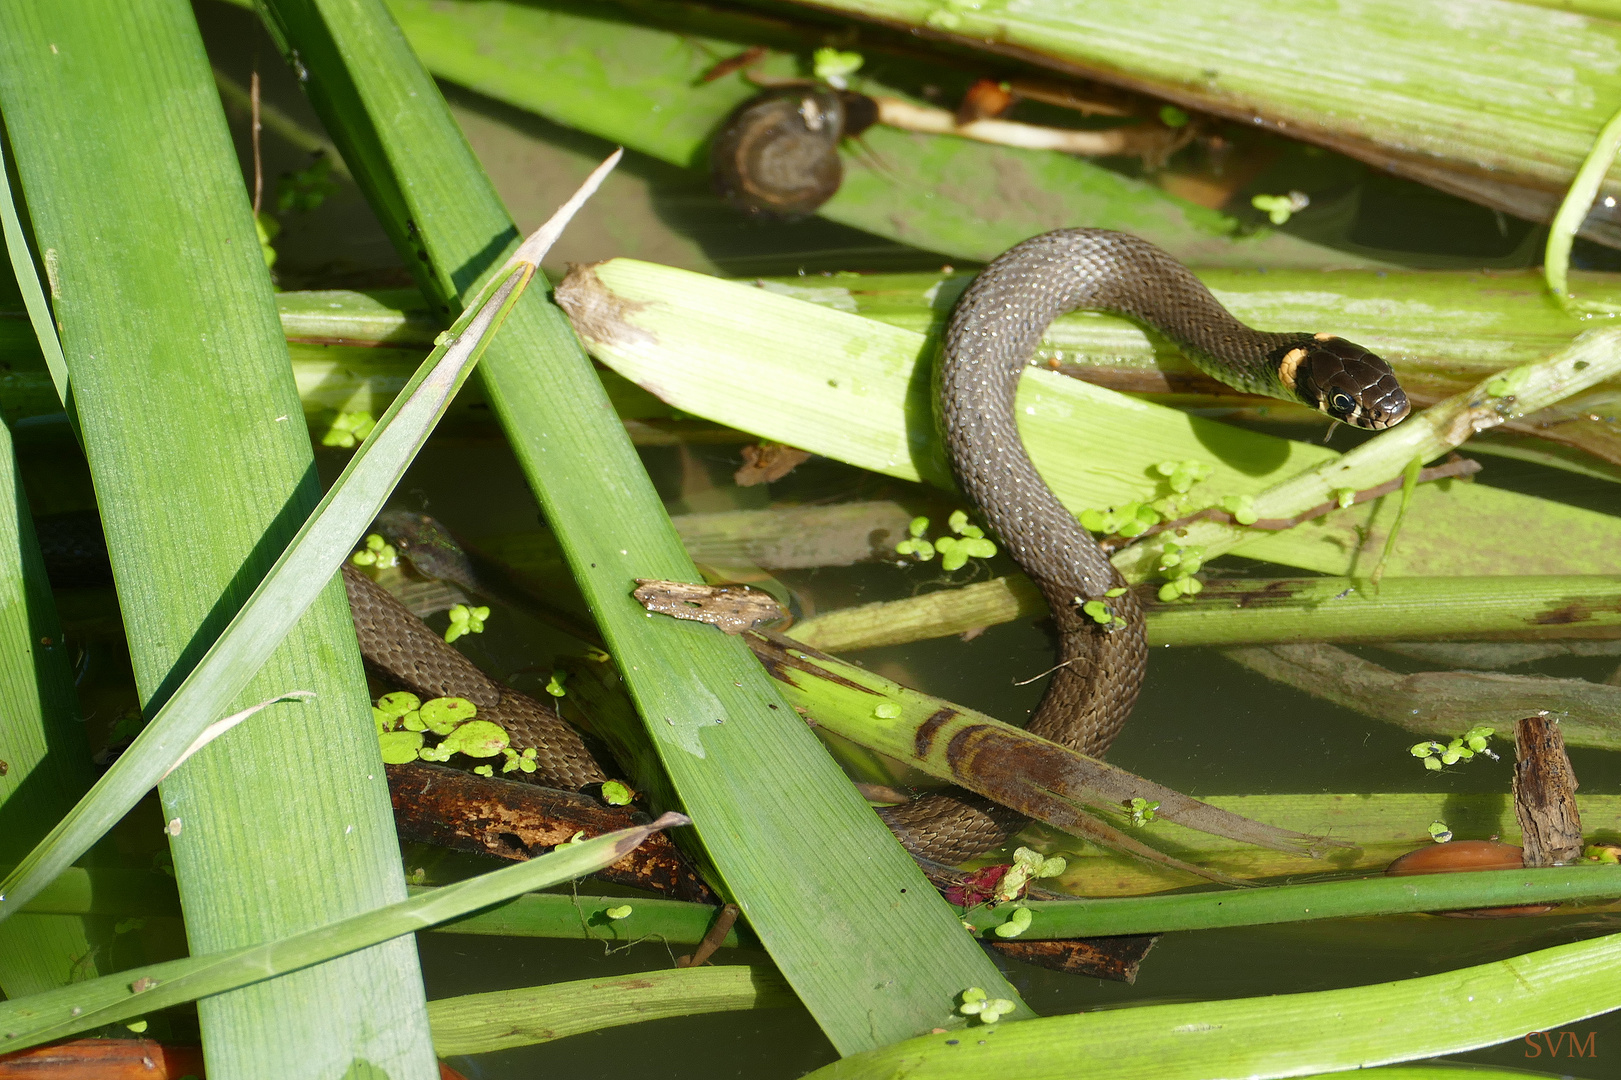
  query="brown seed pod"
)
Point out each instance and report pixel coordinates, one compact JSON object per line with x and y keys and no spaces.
{"x":778,"y":153}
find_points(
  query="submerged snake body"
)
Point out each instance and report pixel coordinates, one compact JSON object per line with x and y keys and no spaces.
{"x":992,"y":336}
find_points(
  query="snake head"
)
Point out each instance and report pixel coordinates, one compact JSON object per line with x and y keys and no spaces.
{"x":1344,"y":380}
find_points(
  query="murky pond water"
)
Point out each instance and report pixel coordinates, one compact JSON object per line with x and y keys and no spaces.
{"x":1204,"y":725}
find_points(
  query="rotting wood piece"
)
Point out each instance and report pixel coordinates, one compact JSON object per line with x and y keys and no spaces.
{"x":510,"y":820}
{"x":1545,"y":794}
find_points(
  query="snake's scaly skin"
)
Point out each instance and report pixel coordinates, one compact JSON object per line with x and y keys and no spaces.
{"x":401,"y":649}
{"x":993,"y":333}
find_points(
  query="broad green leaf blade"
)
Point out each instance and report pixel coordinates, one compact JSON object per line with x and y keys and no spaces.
{"x":59,"y":1013}
{"x":856,"y":390}
{"x":46,"y":755}
{"x":1286,"y":1035}
{"x":179,"y":372}
{"x":866,"y":944}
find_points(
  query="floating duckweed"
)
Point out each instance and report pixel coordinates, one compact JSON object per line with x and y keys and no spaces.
{"x":1112,"y":593}
{"x":400,"y":747}
{"x":465,"y":620}
{"x":1180,"y":587}
{"x":1344,"y":497}
{"x":1131,"y":519}
{"x":975,"y":1002}
{"x":516,"y":762}
{"x":1242,"y":507}
{"x":833,"y":67}
{"x":377,"y":552}
{"x":1017,"y":923}
{"x":1142,"y":811}
{"x":617,"y":793}
{"x":887,"y":710}
{"x":476,"y":738}
{"x":554,"y":685}
{"x":484,"y":770}
{"x":1474,"y":741}
{"x":1182,"y":475}
{"x":1280,"y":208}
{"x":348,"y":429}
{"x":621,"y":912}
{"x":441,"y":715}
{"x":399,"y":703}
{"x":1439,"y":832}
{"x":953,"y":555}
{"x":1179,"y":564}
{"x":920,"y":548}
{"x":1172,"y":117}
{"x":1028,"y":864}
{"x":383,"y":721}
{"x":1098,"y":612}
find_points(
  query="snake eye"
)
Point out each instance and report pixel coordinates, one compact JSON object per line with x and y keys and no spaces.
{"x":1341,"y":404}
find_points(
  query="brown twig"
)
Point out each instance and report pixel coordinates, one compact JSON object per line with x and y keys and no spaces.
{"x":1452,"y":468}
{"x":1545,"y":794}
{"x":712,"y":940}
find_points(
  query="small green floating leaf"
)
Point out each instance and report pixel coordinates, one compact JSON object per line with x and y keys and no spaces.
{"x":1016,"y":924}
{"x":1439,"y":832}
{"x":918,"y":526}
{"x":400,"y":747}
{"x":476,"y":738}
{"x":614,"y":792}
{"x":465,"y":620}
{"x":621,"y":912}
{"x":398,"y":703}
{"x":441,"y":715}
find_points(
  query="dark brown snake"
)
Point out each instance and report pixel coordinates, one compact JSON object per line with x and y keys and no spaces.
{"x":992,"y":336}
{"x":993,"y":333}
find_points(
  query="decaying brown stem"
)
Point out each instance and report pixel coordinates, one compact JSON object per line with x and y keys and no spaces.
{"x":1545,"y":794}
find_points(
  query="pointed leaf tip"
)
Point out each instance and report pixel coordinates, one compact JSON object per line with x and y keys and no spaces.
{"x":541,"y":240}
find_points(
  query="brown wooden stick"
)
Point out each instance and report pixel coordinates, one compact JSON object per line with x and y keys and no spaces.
{"x":1545,"y":794}
{"x":449,"y":808}
{"x":712,"y":940}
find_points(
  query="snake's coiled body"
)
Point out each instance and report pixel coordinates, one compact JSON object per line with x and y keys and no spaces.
{"x":993,"y":333}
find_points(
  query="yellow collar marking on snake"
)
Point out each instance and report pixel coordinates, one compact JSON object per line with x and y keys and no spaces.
{"x":1288,"y":365}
